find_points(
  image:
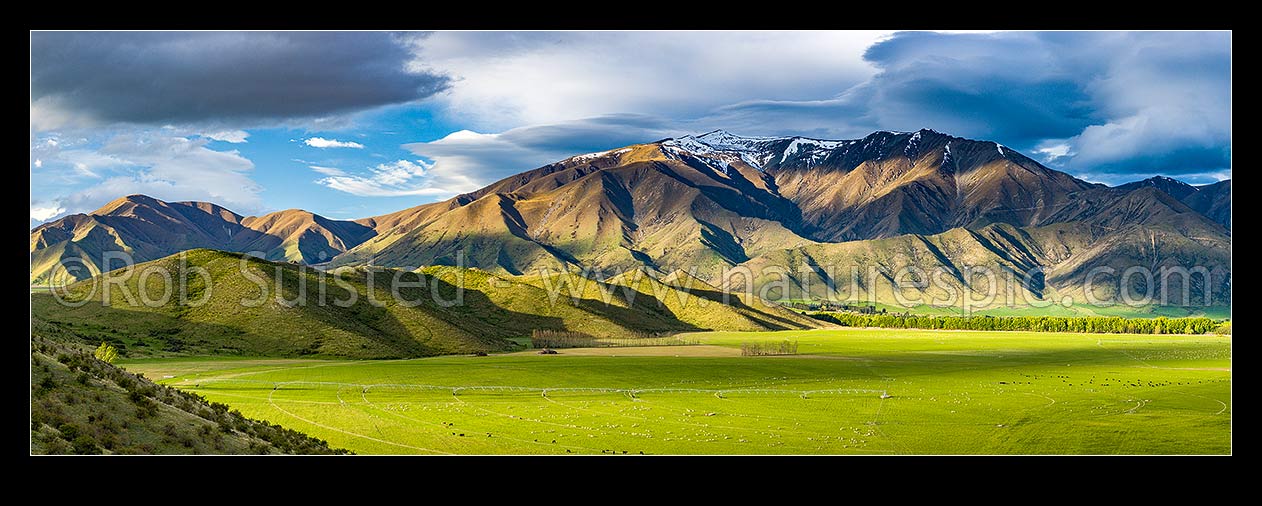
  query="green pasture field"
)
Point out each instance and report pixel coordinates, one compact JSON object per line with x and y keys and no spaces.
{"x":848,"y":391}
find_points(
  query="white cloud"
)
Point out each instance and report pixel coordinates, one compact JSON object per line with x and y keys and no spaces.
{"x":46,"y":212}
{"x":1158,"y":136}
{"x":468,"y":160}
{"x":48,"y":113}
{"x":232,"y":136}
{"x":82,"y":168}
{"x":1053,"y":149}
{"x":70,"y":161}
{"x":328,"y":171}
{"x":322,"y":143}
{"x":87,"y":162}
{"x":506,"y":79}
{"x":168,"y":168}
{"x":1116,"y":102}
{"x":395,"y":179}
{"x":398,"y":172}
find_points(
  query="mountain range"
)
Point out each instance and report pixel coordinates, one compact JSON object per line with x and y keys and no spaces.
{"x":715,"y":203}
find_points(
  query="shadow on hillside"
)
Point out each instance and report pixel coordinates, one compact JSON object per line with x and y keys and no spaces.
{"x":642,"y":305}
{"x":644,"y":313}
{"x":320,"y":325}
{"x":429,"y":316}
{"x":764,"y":318}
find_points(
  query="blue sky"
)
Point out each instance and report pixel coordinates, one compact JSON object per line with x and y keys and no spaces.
{"x":356,"y":124}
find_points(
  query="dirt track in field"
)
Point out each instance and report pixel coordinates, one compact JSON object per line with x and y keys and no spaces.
{"x":699,"y":350}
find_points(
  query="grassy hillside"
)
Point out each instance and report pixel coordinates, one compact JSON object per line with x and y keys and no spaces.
{"x":81,"y":405}
{"x":705,"y":306}
{"x":494,"y":310}
{"x":288,"y":322}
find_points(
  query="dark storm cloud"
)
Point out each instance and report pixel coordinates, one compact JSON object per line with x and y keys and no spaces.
{"x":1115,"y":102}
{"x":1009,"y":86}
{"x":226,"y":77}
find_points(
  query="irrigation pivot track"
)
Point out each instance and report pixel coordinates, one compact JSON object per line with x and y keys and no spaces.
{"x":455,"y":390}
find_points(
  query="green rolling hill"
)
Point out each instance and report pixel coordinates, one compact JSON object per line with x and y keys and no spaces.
{"x":343,"y":321}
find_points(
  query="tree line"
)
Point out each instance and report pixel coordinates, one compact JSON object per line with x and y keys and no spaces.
{"x":1086,"y":324}
{"x":758,"y":349}
{"x":543,"y":338}
{"x":830,"y":306}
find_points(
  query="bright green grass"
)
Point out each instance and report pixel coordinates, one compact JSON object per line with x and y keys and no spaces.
{"x":951,"y":392}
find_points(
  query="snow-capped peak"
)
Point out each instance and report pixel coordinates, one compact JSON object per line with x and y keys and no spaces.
{"x":724,"y":140}
{"x":913,"y":145}
{"x":688,"y":143}
{"x":724,"y":146}
{"x":598,"y":154}
{"x":759,"y":152}
{"x":754,"y":151}
{"x":815,"y":147}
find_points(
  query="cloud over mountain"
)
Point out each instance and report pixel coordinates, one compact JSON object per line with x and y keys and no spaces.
{"x":1108,"y":103}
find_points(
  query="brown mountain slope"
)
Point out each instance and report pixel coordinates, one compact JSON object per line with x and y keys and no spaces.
{"x":1145,"y":228}
{"x":1213,"y":201}
{"x":75,"y":247}
{"x":923,"y":182}
{"x":1172,"y":187}
{"x":1031,"y":265}
{"x":295,"y":234}
{"x":657,"y":211}
{"x":137,"y":225}
{"x":718,"y":201}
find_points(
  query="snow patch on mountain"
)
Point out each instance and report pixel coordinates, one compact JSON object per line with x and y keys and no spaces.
{"x":754,"y":151}
{"x":598,"y":154}
{"x":722,"y":140}
{"x":722,"y":146}
{"x":816,"y":148}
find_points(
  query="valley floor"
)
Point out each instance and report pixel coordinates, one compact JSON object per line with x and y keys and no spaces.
{"x":848,"y":391}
